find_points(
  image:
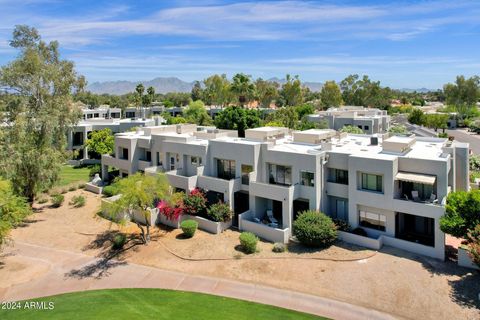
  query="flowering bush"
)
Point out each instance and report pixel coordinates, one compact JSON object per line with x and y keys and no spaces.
{"x":195,"y":203}
{"x":474,"y":245}
{"x":172,"y":213}
{"x":219,"y":212}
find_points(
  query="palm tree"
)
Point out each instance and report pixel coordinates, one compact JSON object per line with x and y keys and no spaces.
{"x":151,"y":93}
{"x":140,"y":89}
{"x":243,"y":88}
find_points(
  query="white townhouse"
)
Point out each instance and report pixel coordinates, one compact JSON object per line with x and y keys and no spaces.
{"x":370,"y":120}
{"x":394,"y":187}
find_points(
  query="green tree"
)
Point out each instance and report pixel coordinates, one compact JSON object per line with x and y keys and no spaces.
{"x":267,"y":92}
{"x":197,"y":91}
{"x":287,"y":116}
{"x":138,"y":194}
{"x":417,"y":117}
{"x":196,"y":113}
{"x":462,"y":213}
{"x":358,"y":91}
{"x":236,"y":118}
{"x":437,"y":121}
{"x":398,"y":129}
{"x":291,"y":93}
{"x":351,"y":129}
{"x":140,"y":90}
{"x":330,"y":95}
{"x":32,"y":145}
{"x":13,"y":210}
{"x":304,"y":110}
{"x":150,"y":95}
{"x":463,"y":94}
{"x":243,"y":88}
{"x":217,"y":90}
{"x":101,"y":142}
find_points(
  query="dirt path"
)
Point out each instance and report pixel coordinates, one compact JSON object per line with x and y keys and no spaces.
{"x":391,"y":281}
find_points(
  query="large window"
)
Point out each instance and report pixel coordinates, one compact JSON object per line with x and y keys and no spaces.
{"x":279,"y":174}
{"x":246,"y":169}
{"x":372,"y":220}
{"x":372,"y":182}
{"x":307,"y":178}
{"x":339,"y":176}
{"x":124,"y":153}
{"x":226,"y":169}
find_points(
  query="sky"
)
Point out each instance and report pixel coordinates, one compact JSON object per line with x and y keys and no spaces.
{"x":403,"y":44}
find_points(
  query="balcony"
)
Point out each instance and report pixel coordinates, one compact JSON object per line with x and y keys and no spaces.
{"x":337,"y":189}
{"x":271,"y":191}
{"x":143,"y":164}
{"x":177,"y":179}
{"x":424,"y":209}
{"x":123,"y":164}
{"x":218,"y":184}
{"x":246,"y":222}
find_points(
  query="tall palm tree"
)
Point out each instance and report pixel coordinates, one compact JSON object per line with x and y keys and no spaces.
{"x":151,"y":94}
{"x":243,"y":88}
{"x":140,"y":89}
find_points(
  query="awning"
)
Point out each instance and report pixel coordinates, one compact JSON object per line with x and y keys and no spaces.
{"x":416,"y":177}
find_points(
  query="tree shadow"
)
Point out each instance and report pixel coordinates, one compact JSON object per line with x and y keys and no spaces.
{"x":464,"y":282}
{"x":107,"y":257}
{"x":25,"y":223}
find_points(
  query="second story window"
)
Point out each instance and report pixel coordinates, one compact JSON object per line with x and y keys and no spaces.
{"x":307,"y":178}
{"x":226,"y":169}
{"x":124,"y":153}
{"x":279,"y":174}
{"x":372,"y":182}
{"x":246,"y":169}
{"x":339,"y":176}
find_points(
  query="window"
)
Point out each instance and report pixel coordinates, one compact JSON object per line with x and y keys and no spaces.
{"x":124,"y":154}
{"x":279,"y":175}
{"x":246,"y":169}
{"x":130,"y":114}
{"x":366,"y":127}
{"x":359,"y":126}
{"x":95,"y":115}
{"x":89,"y":116}
{"x":340,"y":176}
{"x":372,"y":182}
{"x":196,"y":161}
{"x":307,"y":178}
{"x":372,"y":220}
{"x":148,"y":156}
{"x":226,"y":169}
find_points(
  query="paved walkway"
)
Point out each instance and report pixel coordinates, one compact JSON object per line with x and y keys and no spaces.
{"x":65,"y":271}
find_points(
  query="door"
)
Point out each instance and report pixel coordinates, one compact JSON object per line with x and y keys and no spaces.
{"x":342,"y":209}
{"x":240,"y":205}
{"x":172,"y":162}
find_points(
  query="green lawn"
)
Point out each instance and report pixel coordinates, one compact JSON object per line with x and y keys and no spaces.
{"x":150,"y":304}
{"x":70,"y":174}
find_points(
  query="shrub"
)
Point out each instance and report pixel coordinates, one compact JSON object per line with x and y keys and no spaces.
{"x":111,"y":190}
{"x":342,"y":225}
{"x":119,"y":241}
{"x":248,"y":241}
{"x":461,"y":213}
{"x":42,"y":199}
{"x":63,"y":190}
{"x":172,"y":213}
{"x":81,"y":185}
{"x":78,"y":201}
{"x":220,"y":212}
{"x":443,"y":135}
{"x":189,"y":227}
{"x":72,"y":188}
{"x":474,"y":245}
{"x":315,"y":229}
{"x":360,"y":232}
{"x":279,"y":247}
{"x":195,"y":203}
{"x":57,"y":200}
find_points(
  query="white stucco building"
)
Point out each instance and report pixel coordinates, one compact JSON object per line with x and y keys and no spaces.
{"x":392,"y":187}
{"x":370,"y":120}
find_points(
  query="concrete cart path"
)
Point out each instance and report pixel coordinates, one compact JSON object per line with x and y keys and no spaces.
{"x":58,"y":271}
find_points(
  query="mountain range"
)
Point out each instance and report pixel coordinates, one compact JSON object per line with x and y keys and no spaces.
{"x":164,"y":85}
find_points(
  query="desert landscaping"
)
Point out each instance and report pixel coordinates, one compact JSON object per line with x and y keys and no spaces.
{"x":342,"y":272}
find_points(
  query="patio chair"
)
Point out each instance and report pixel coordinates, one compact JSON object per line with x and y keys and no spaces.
{"x":415,"y":196}
{"x":271,"y":217}
{"x":406,"y":197}
{"x":433,"y":198}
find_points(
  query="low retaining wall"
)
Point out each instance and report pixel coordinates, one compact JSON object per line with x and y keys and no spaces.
{"x":464,"y":259}
{"x":93,"y":188}
{"x":375,"y":244}
{"x":170,"y":223}
{"x":208,"y":225}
